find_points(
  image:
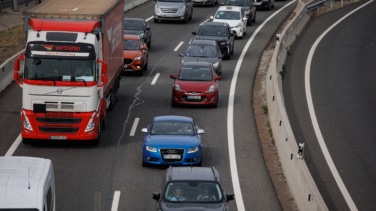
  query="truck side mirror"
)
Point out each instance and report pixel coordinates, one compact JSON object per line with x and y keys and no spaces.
{"x":16,"y":67}
{"x":104,"y":77}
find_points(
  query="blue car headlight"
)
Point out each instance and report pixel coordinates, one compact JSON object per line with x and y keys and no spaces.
{"x":192,"y":150}
{"x":151,"y":149}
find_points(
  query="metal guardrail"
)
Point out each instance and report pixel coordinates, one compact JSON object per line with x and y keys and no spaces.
{"x":316,"y":5}
{"x":14,"y":4}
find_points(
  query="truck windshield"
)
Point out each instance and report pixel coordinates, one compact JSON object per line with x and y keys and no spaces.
{"x":60,"y":69}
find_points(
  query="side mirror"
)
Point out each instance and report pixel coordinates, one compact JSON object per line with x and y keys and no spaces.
{"x":173,"y":76}
{"x":144,"y":130}
{"x":230,"y":196}
{"x":104,"y":77}
{"x":180,"y":54}
{"x":211,"y":17}
{"x":156,"y":195}
{"x":200,"y":131}
{"x":17,"y":67}
{"x":218,"y":78}
{"x":194,"y":33}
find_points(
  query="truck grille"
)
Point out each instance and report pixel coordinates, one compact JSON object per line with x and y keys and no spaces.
{"x":59,"y":129}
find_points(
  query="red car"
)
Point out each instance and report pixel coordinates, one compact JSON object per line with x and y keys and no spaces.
{"x":196,"y":83}
{"x":135,"y":54}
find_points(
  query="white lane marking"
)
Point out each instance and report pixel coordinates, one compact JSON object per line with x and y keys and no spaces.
{"x":155,"y":79}
{"x":134,"y":126}
{"x":149,"y":18}
{"x":312,"y":113}
{"x":14,"y":146}
{"x":178,"y":46}
{"x":230,"y":116}
{"x":115,"y":201}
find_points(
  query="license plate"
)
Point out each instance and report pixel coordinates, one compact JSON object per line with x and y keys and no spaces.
{"x":194,"y":97}
{"x":171,"y":156}
{"x":58,"y":137}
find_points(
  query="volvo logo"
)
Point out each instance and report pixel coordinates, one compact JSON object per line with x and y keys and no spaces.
{"x":172,"y":151}
{"x":59,"y":90}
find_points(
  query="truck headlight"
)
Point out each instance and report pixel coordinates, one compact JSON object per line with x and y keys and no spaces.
{"x":26,"y":122}
{"x":90,"y":126}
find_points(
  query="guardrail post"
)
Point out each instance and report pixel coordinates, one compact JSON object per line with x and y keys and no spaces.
{"x":15,"y":5}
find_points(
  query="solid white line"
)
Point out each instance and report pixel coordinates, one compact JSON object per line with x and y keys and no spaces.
{"x":134,"y":126}
{"x":149,"y":18}
{"x":155,"y":79}
{"x":230,"y":116}
{"x":179,"y":45}
{"x":312,"y":113}
{"x":14,"y":146}
{"x":115,"y":202}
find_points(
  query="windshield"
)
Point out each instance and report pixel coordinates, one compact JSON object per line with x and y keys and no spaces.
{"x":131,"y":45}
{"x":59,"y":69}
{"x":213,"y":31}
{"x":133,"y":25}
{"x":201,"y":51}
{"x":172,"y":128}
{"x":195,"y":74}
{"x":193,"y":191}
{"x":227,"y":15}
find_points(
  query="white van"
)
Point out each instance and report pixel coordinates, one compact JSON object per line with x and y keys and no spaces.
{"x":27,"y":184}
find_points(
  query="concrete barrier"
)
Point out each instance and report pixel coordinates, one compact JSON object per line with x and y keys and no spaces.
{"x":299,"y":179}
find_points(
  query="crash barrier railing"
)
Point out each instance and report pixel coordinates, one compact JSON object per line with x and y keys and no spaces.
{"x":301,"y":184}
{"x":14,"y":4}
{"x":317,"y":5}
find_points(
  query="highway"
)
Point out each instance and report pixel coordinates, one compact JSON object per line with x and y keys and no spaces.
{"x":329,"y":93}
{"x":88,"y":176}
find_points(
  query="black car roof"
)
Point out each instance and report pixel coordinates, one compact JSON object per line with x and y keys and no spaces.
{"x":192,"y":174}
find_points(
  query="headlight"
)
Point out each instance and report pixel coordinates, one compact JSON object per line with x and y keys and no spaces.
{"x":138,"y":58}
{"x":91,"y":124}
{"x":215,"y":65}
{"x":247,"y":12}
{"x":182,"y":10}
{"x":239,"y":25}
{"x":151,"y":149}
{"x":192,"y":150}
{"x":211,"y":89}
{"x":177,"y":88}
{"x":26,"y":122}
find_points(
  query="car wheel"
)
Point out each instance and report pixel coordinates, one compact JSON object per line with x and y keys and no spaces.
{"x":190,"y":17}
{"x":145,"y":67}
{"x":173,"y":104}
{"x":156,"y":21}
{"x":185,"y":19}
{"x":140,"y":72}
{"x":26,"y":141}
{"x":148,"y":44}
{"x":249,"y":22}
{"x":254,"y":19}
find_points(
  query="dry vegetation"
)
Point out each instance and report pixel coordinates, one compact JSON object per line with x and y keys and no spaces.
{"x":12,"y":41}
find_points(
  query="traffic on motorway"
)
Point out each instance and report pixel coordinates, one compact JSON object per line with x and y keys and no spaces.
{"x":198,"y":92}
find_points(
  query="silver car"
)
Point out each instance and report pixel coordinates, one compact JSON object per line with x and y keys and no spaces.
{"x":176,"y":10}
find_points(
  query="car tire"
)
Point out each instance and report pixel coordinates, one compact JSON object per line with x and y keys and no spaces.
{"x":156,"y":20}
{"x":148,"y":44}
{"x":144,"y":164}
{"x":145,"y":68}
{"x":185,"y":19}
{"x":26,"y":141}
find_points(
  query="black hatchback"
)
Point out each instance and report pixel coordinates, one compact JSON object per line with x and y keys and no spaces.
{"x":192,"y":188}
{"x":139,"y":27}
{"x":220,"y":32}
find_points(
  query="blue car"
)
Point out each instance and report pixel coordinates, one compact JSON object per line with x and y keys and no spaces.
{"x":172,"y":140}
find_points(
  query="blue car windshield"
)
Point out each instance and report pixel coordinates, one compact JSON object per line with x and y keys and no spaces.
{"x":172,"y":128}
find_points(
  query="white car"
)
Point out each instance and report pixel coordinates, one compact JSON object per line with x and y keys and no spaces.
{"x":234,"y":16}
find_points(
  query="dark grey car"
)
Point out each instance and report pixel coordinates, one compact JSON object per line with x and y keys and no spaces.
{"x":138,"y":26}
{"x":192,"y":188}
{"x":204,"y":51}
{"x":220,"y":32}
